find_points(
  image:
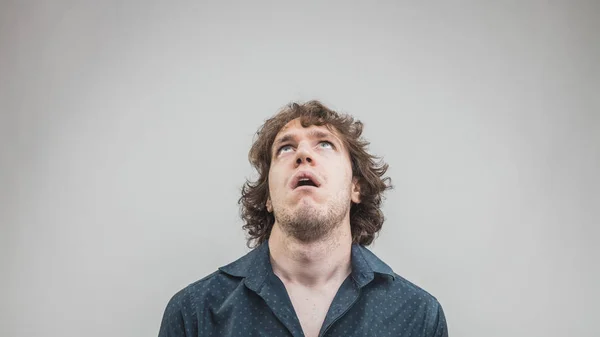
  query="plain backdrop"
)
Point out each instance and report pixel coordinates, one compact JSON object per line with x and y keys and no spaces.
{"x":125,"y":127}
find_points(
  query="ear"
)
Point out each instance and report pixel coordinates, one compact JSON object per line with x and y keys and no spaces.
{"x":355,"y":194}
{"x":269,"y":205}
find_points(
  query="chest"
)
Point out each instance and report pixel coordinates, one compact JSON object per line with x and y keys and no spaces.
{"x":311,"y":307}
{"x":351,"y":312}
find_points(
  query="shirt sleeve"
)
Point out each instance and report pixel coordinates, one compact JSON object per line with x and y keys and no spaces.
{"x":440,"y":328}
{"x":178,"y":319}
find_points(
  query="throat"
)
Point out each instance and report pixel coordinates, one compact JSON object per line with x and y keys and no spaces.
{"x":313,"y":265}
{"x":311,"y":305}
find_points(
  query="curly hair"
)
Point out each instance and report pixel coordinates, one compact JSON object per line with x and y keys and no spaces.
{"x":366,"y":217}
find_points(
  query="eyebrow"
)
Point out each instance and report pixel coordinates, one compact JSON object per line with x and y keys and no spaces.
{"x":311,"y":134}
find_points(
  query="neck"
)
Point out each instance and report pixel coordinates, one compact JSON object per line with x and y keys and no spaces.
{"x":312,"y":264}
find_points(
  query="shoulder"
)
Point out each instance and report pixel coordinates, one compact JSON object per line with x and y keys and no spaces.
{"x":403,"y":287}
{"x":400,"y":291}
{"x":204,"y":291}
{"x":418,"y":304}
{"x":213,"y":289}
{"x":189,"y":304}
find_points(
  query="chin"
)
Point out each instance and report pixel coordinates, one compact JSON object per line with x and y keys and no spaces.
{"x":308,"y":207}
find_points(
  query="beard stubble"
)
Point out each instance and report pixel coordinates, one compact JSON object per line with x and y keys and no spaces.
{"x":308,"y":223}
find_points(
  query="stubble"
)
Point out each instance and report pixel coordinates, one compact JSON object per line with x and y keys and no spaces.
{"x":308,"y":223}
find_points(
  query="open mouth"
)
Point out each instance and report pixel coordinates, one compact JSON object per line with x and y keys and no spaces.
{"x":306,"y":182}
{"x":305,"y":179}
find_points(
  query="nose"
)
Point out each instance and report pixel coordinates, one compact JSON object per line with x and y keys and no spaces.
{"x":304,"y":155}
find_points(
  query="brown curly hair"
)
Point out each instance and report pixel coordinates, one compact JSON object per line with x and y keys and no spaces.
{"x":366,"y":217}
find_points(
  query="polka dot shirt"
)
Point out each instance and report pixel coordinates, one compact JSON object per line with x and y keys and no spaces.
{"x":245,"y":298}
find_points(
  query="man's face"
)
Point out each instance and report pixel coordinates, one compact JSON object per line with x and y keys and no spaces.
{"x":310,"y":181}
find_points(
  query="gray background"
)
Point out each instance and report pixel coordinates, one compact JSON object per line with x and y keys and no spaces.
{"x":125,"y":128}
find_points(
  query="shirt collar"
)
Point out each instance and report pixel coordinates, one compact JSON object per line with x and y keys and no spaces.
{"x":256,"y":266}
{"x":365,"y":265}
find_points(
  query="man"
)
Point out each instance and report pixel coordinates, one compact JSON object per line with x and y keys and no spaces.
{"x":310,"y":214}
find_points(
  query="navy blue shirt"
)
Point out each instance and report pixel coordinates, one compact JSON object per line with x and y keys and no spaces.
{"x":245,"y":298}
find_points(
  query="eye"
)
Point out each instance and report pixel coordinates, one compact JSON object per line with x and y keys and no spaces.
{"x":326,"y":145}
{"x":284,"y":148}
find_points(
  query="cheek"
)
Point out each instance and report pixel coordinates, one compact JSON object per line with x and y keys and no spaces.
{"x":272,"y":183}
{"x":275,"y":180}
{"x":344,"y":170}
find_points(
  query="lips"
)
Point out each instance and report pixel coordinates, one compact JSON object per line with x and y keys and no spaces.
{"x":304,"y":178}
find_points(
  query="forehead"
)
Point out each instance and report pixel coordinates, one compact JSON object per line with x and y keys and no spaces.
{"x":294,"y":128}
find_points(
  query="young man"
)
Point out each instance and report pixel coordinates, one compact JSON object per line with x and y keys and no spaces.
{"x":310,"y":214}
